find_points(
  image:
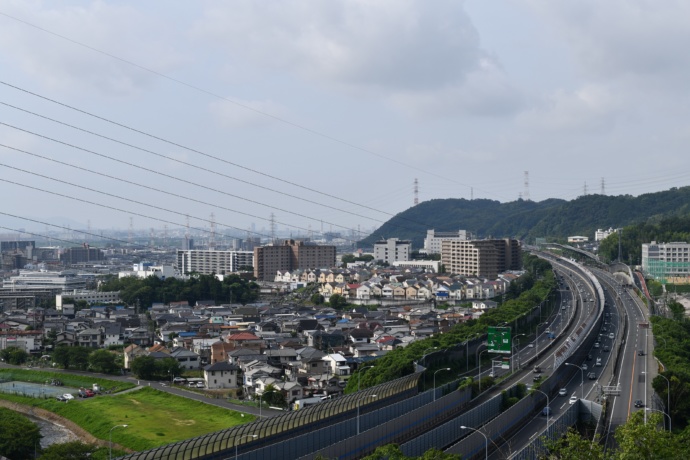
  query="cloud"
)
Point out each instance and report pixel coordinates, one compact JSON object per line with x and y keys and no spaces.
{"x":390,"y":44}
{"x":238,"y":116}
{"x":592,"y":108}
{"x":120,"y":30}
{"x":485,"y":92}
{"x":619,"y":38}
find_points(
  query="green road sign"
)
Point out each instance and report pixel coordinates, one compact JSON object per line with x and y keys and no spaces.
{"x":499,"y":340}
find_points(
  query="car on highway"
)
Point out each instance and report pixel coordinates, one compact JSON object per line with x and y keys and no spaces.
{"x":530,"y":345}
{"x":536,"y":378}
{"x":640,"y":353}
{"x":592,"y":376}
{"x":562,"y":392}
{"x":589,"y":357}
{"x":596,"y":345}
{"x":573,"y":399}
{"x":584,"y":367}
{"x":606,"y":348}
{"x":546,"y":411}
{"x":612,"y":336}
{"x":639,"y":403}
{"x":598,"y":363}
{"x":537,"y":370}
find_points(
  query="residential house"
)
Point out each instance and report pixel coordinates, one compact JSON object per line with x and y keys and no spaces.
{"x":221,"y":375}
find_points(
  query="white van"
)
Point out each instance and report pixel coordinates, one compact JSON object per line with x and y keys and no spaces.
{"x":598,"y":362}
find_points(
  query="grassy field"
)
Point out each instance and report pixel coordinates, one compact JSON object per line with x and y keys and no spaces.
{"x":154,"y":417}
{"x":70,"y":380}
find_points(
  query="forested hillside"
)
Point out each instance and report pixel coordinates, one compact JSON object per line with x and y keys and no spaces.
{"x":553,"y":218}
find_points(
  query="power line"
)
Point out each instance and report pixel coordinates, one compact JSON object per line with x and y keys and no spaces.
{"x":140,"y":185}
{"x":238,"y":104}
{"x":160,"y":173}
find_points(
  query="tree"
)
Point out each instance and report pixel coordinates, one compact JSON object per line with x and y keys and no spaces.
{"x":79,"y":357}
{"x":75,"y":450}
{"x":337,"y":301}
{"x":18,"y":435}
{"x":637,"y":439}
{"x":144,"y":367}
{"x":167,"y":367}
{"x":14,"y":355}
{"x":273,"y":397}
{"x":574,"y":447}
{"x":316,"y":299}
{"x":103,"y":361}
{"x":61,"y":356}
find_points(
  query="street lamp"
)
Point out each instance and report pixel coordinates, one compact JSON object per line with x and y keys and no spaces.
{"x":244,"y":436}
{"x":479,"y":363}
{"x":110,"y":439}
{"x":518,"y":351}
{"x":358,"y":403}
{"x":261,"y":403}
{"x":661,"y":412}
{"x":444,"y":369}
{"x":425,"y":353}
{"x":668,"y":400}
{"x":582,"y":375}
{"x":486,"y":439}
{"x":547,"y":405}
{"x":359,"y":374}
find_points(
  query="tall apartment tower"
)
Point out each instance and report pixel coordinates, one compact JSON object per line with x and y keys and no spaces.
{"x":482,"y":258}
{"x":207,"y":262}
{"x":392,"y":250}
{"x":290,"y":255}
{"x":433,"y":240}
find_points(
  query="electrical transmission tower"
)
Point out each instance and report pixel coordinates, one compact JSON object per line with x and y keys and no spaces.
{"x":416,"y":192}
{"x":526,"y":195}
{"x":603,"y":186}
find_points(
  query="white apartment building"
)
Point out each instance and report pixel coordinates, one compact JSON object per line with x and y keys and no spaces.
{"x":66,"y":280}
{"x":667,"y":262}
{"x":89,"y":296}
{"x":424,"y":264}
{"x":144,"y":270}
{"x":392,"y":250}
{"x":206,"y":262}
{"x":601,"y":234}
{"x":433,"y":240}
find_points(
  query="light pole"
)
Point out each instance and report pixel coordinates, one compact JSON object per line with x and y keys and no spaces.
{"x":547,"y":405}
{"x":582,"y":383}
{"x":261,"y":403}
{"x":110,"y":439}
{"x":241,"y":437}
{"x":518,"y":351}
{"x":444,"y":369}
{"x":358,"y":403}
{"x":647,"y":409}
{"x":479,"y":363}
{"x":359,"y":374}
{"x":425,"y":352}
{"x":668,"y":400}
{"x":486,"y":440}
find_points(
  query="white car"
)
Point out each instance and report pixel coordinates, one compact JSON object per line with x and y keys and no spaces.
{"x":200,"y":385}
{"x":562,"y":392}
{"x":584,"y":367}
{"x":68,"y":396}
{"x":530,"y":345}
{"x":573,"y":399}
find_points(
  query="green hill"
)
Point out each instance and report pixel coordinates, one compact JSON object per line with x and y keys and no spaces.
{"x":552,"y":218}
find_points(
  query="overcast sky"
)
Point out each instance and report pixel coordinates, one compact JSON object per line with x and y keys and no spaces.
{"x":323,"y":113}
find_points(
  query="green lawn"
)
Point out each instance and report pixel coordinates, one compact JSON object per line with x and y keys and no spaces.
{"x":70,"y":380}
{"x":154,"y":417}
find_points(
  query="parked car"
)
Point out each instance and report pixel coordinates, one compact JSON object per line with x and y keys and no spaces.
{"x":200,"y":385}
{"x":573,"y":399}
{"x":68,"y":396}
{"x":562,"y":392}
{"x":179,"y":380}
{"x":61,"y":398}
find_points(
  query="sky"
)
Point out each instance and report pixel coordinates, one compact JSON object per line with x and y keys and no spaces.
{"x":321,"y":115}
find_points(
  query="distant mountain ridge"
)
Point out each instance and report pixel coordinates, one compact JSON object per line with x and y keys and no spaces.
{"x":527,"y":220}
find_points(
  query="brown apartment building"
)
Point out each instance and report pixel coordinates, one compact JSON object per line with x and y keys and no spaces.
{"x":290,"y":255}
{"x":482,"y":258}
